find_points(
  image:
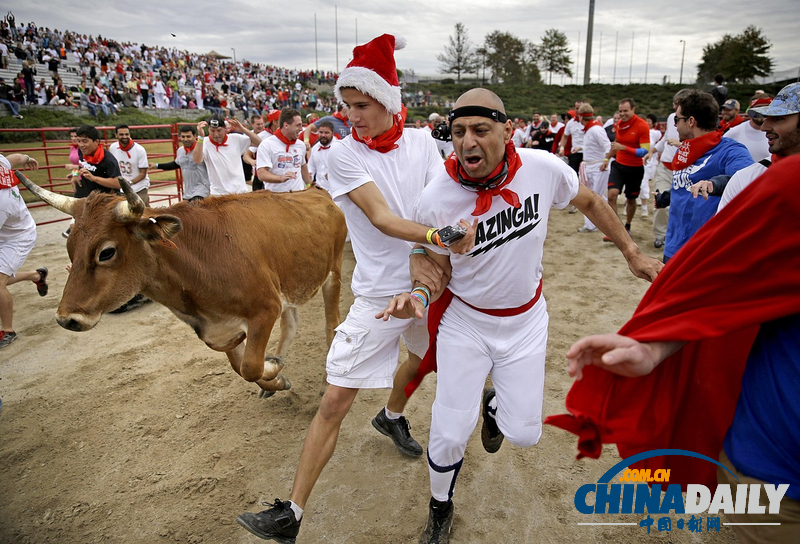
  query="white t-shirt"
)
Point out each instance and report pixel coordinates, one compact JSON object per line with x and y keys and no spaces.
{"x":739,"y":182}
{"x":505,"y":266}
{"x":273,"y":155}
{"x":595,"y":147}
{"x":131,"y":166}
{"x":555,"y":128}
{"x":400,"y":175}
{"x":15,"y":219}
{"x":263,"y":135}
{"x":668,"y":151}
{"x":318,"y":163}
{"x":752,"y":138}
{"x":519,"y":137}
{"x":224,"y":164}
{"x":575,"y":129}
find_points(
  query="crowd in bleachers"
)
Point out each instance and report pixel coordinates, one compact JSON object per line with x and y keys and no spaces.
{"x":114,"y":75}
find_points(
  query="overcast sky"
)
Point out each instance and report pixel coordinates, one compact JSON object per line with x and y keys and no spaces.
{"x":282,"y":33}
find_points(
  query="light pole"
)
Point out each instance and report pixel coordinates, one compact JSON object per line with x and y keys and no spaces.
{"x":234,"y":55}
{"x":680,"y":79}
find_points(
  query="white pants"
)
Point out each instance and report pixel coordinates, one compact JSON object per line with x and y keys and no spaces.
{"x":597,"y":182}
{"x":470,"y":346}
{"x":649,"y":174}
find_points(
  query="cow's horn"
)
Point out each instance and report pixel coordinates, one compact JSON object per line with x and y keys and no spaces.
{"x":59,"y":202}
{"x":133,"y":207}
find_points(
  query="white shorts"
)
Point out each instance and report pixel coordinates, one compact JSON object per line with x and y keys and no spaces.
{"x":17,"y":231}
{"x":365,"y":351}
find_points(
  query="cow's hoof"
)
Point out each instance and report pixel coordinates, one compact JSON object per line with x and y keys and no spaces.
{"x":265,"y":394}
{"x":277,"y":360}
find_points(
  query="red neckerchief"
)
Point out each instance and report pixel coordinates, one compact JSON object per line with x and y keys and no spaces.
{"x":284,"y":139}
{"x":485,"y":196}
{"x":341,"y":118}
{"x":725,"y":125}
{"x":689,"y":400}
{"x":691,"y":150}
{"x":96,"y":157}
{"x":590,"y":124}
{"x":221,"y":144}
{"x":323,"y":147}
{"x":7,"y":178}
{"x":388,"y":140}
{"x":127,"y":149}
{"x":190,"y":149}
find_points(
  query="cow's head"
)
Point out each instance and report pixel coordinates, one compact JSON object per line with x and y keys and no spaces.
{"x":110,"y":247}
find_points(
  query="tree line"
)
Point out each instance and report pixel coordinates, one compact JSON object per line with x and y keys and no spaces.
{"x":512,"y":60}
{"x":507,"y":58}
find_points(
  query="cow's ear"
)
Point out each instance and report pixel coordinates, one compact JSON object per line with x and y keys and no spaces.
{"x":160,"y":227}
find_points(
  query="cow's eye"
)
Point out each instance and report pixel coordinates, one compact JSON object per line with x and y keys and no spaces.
{"x":107,"y":254}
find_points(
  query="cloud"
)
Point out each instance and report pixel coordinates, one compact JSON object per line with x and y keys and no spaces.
{"x":283,"y":33}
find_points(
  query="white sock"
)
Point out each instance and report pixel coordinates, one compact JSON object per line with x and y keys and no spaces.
{"x":393,"y":416}
{"x":493,"y":406}
{"x":298,"y":512}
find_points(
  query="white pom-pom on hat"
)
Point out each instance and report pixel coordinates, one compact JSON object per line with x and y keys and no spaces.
{"x":373,"y":72}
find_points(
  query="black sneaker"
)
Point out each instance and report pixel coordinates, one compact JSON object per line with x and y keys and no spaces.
{"x":6,"y":337}
{"x":440,"y":521}
{"x":658,"y":243}
{"x":277,"y":523}
{"x":491,"y":435}
{"x":399,"y":431}
{"x":41,"y":285}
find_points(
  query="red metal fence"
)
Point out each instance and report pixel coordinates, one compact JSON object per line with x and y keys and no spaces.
{"x":56,"y":158}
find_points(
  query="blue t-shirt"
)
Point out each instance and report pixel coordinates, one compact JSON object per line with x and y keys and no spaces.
{"x":764,"y":439}
{"x":686,"y":213}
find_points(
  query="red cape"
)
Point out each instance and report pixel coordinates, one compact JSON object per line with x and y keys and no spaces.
{"x":738,"y":271}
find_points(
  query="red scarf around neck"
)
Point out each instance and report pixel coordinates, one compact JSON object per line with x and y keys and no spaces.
{"x":97,"y":156}
{"x":127,"y":149}
{"x":485,"y":196}
{"x":342,"y":118}
{"x":725,"y":125}
{"x":388,"y":140}
{"x":284,"y":139}
{"x":221,"y":144}
{"x":590,"y":124}
{"x":693,"y":149}
{"x":188,"y":150}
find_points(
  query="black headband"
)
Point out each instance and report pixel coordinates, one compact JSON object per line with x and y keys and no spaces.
{"x":477,"y":111}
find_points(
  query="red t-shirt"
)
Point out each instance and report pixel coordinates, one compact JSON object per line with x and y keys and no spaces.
{"x":632,"y":133}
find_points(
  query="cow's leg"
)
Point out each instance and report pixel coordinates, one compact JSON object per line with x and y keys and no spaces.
{"x":331,"y":291}
{"x":235,"y":357}
{"x":288,"y":329}
{"x":268,"y":387}
{"x":254,"y":368}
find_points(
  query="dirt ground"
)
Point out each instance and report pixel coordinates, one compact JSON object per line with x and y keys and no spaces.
{"x":136,"y":432}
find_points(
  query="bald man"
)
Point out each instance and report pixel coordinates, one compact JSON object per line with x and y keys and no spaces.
{"x":493,"y":319}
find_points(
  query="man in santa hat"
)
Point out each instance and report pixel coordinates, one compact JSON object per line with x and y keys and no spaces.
{"x":375,"y":175}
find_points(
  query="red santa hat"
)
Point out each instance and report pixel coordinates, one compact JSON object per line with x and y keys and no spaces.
{"x":373,"y":72}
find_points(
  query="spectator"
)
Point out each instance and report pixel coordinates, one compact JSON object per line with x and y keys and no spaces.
{"x":7,"y":98}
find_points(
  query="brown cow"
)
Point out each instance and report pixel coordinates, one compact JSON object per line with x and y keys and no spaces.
{"x":227,"y":266}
